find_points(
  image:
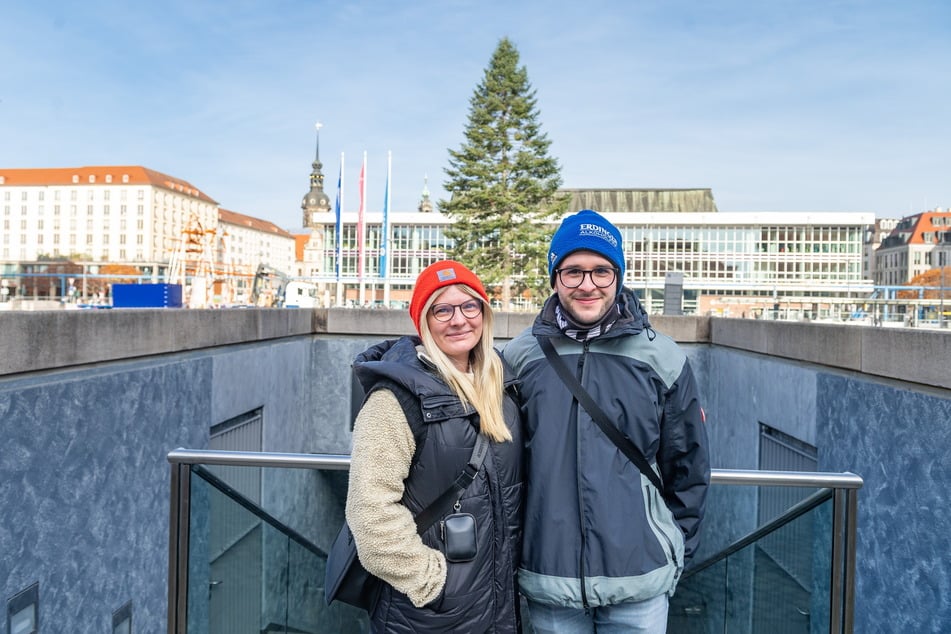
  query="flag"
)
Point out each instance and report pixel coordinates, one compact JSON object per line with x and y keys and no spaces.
{"x":384,"y":238}
{"x":338,"y":238}
{"x":361,"y":238}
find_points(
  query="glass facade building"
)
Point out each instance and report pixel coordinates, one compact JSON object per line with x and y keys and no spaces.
{"x":723,"y":256}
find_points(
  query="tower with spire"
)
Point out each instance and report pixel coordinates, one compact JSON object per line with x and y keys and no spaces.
{"x":425,"y":205}
{"x":315,"y":202}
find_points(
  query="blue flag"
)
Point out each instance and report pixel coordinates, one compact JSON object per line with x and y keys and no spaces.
{"x":384,"y":239}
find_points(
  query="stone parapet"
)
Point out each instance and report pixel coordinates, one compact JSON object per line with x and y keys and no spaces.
{"x":32,"y":341}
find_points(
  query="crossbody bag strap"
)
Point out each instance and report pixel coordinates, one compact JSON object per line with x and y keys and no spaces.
{"x":597,"y":414}
{"x":441,"y":505}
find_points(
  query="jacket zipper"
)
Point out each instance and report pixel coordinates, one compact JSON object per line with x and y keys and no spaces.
{"x":650,"y":518}
{"x":577,"y":407}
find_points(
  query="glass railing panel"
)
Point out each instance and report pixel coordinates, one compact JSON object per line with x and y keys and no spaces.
{"x":249,"y":573}
{"x":748,"y":576}
{"x":700,"y":603}
{"x":777,"y":584}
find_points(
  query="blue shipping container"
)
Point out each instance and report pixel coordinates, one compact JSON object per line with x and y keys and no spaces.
{"x":146,"y":295}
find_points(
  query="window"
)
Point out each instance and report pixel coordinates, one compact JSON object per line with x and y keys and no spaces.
{"x":122,"y":620}
{"x":23,"y":611}
{"x":781,"y":452}
{"x":241,"y":433}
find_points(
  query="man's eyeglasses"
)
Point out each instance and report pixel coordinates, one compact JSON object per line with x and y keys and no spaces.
{"x":469,"y":309}
{"x":601,"y":276}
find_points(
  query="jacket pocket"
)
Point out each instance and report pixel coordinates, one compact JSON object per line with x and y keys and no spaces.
{"x":665,"y":529}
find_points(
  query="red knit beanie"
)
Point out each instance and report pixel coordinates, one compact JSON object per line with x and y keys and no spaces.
{"x":436,"y":276}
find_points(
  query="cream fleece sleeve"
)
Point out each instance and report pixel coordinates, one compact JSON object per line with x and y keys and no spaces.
{"x":384,"y":529}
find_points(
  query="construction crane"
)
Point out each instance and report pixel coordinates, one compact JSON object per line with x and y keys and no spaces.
{"x":273,"y":288}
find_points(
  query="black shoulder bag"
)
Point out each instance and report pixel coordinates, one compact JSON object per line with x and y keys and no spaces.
{"x":597,"y":414}
{"x":348,"y":581}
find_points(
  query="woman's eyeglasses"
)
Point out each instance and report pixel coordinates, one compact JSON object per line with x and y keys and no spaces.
{"x":601,"y":276}
{"x":444,"y":312}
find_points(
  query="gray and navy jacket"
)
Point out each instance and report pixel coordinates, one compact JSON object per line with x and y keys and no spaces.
{"x":596,"y":531}
{"x":480,"y":596}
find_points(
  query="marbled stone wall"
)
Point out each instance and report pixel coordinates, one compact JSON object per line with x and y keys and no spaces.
{"x":84,"y":486}
{"x":897,"y":439}
{"x":85,"y":479}
{"x":894,"y":435}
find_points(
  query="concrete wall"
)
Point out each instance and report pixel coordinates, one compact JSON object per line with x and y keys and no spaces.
{"x":92,"y":401}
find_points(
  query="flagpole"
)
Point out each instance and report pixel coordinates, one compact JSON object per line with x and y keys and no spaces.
{"x":338,"y":237}
{"x":385,"y":237}
{"x":361,"y":230}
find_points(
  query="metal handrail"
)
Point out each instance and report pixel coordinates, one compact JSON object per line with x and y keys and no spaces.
{"x":845,"y":480}
{"x":260,"y":459}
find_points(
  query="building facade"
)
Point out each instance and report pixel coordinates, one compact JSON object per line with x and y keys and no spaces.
{"x":120,"y":214}
{"x":731,"y":262}
{"x":148,"y":224}
{"x":917,"y":244}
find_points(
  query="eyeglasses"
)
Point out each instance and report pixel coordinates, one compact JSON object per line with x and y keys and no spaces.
{"x":601,"y":276}
{"x":445,"y":312}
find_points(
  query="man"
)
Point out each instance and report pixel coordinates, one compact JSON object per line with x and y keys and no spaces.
{"x":603,"y":548}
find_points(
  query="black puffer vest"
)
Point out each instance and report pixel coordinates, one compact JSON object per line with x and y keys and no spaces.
{"x":480,"y":595}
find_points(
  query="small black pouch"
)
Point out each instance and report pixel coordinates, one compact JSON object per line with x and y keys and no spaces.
{"x":459,"y":535}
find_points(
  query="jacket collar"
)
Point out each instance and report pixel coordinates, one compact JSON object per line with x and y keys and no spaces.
{"x":632,"y":318}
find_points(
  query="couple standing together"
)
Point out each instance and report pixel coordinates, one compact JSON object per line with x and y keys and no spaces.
{"x":556,"y":511}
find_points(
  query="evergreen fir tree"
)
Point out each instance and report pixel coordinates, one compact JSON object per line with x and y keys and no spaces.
{"x":502,"y":185}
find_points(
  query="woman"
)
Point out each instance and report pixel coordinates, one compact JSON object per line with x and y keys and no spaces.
{"x":428,"y":398}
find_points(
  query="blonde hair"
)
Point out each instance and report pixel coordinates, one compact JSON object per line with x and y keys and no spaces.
{"x":483,"y":388}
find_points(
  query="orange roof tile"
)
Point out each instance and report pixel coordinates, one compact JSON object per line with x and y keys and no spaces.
{"x":234,"y":218}
{"x":924,"y":228}
{"x":100,"y":175}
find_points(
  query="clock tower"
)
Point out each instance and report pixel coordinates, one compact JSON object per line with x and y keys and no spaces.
{"x":316,"y":202}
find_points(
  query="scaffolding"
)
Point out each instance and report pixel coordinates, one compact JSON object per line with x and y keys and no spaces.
{"x":201,"y":264}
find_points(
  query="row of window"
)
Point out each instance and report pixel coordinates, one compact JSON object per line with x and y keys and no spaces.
{"x":90,"y":225}
{"x":91,"y":210}
{"x":90,"y":239}
{"x":23,"y":613}
{"x":122,"y":255}
{"x":91,"y":194}
{"x":74,"y":194}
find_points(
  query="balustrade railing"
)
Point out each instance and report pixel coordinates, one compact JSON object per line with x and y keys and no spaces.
{"x":236,"y":566}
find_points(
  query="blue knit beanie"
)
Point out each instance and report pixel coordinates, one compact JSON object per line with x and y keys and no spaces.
{"x":589,"y":231}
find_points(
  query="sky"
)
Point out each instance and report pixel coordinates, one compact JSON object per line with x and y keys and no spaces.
{"x":779,"y":105}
